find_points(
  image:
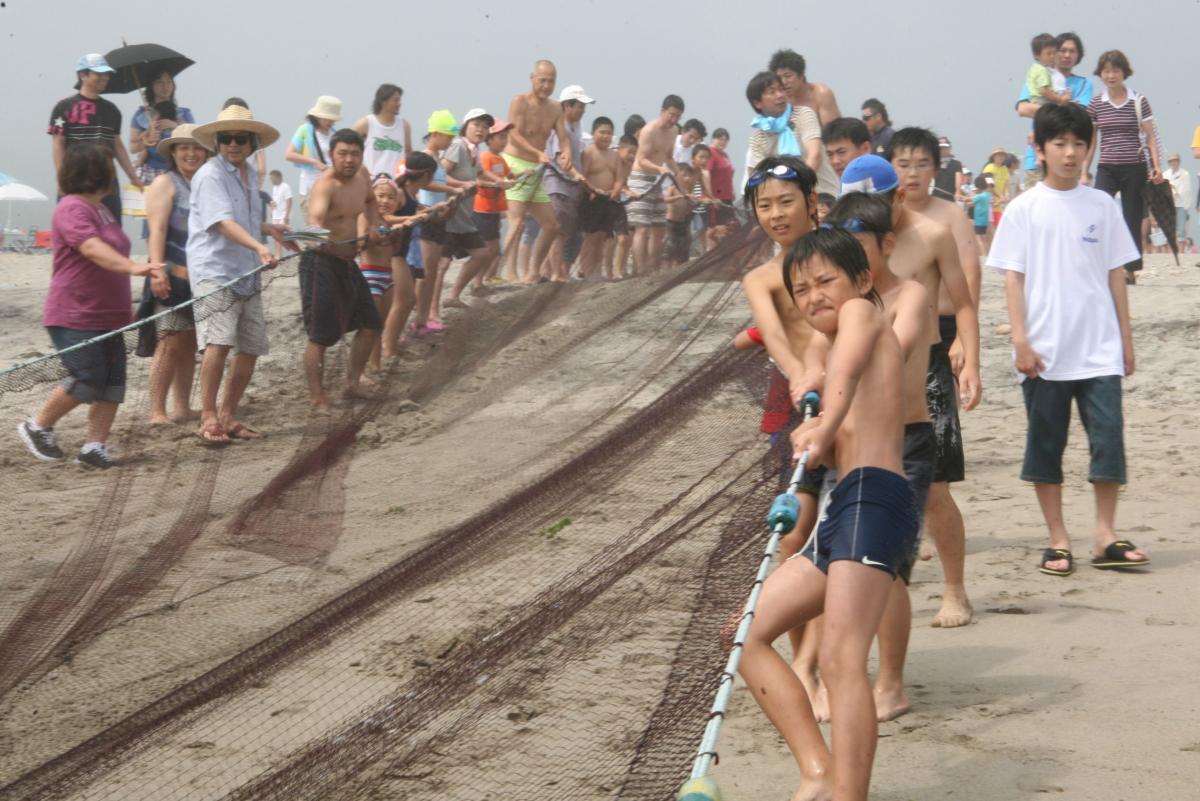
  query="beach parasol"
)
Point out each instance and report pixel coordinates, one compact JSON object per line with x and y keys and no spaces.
{"x":14,"y":191}
{"x":1161,"y":202}
{"x":137,"y":65}
{"x":6,"y":179}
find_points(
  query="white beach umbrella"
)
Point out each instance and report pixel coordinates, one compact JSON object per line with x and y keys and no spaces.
{"x":15,"y":191}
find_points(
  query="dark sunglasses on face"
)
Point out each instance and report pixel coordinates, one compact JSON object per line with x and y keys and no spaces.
{"x":233,"y":139}
{"x":867,"y":117}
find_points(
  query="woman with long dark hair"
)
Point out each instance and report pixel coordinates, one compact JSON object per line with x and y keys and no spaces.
{"x":149,"y":125}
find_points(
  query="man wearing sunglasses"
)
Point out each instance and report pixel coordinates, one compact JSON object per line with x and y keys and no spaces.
{"x":226,"y":248}
{"x":875,"y":115}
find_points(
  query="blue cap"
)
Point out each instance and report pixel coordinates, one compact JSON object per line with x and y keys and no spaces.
{"x":870,"y":174}
{"x":93,"y":62}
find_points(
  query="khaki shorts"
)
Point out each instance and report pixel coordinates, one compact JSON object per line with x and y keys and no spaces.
{"x":231,"y":320}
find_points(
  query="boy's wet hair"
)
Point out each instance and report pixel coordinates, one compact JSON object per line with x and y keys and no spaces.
{"x":1041,"y":42}
{"x":701,"y":148}
{"x":915,"y":139}
{"x":633,"y":124}
{"x":1055,"y":119}
{"x":720,"y":133}
{"x":849,"y":129}
{"x":627,"y":140}
{"x":346,"y":136}
{"x":787,"y":60}
{"x":673,"y":101}
{"x":695,"y":125}
{"x":804,"y":178}
{"x":758,"y":87}
{"x":382,"y":94}
{"x":825,"y":199}
{"x":860,"y":212}
{"x":596,"y":123}
{"x":981,"y":183}
{"x":836,"y":246}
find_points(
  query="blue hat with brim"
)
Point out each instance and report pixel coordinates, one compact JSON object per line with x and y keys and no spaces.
{"x":871,"y":174}
{"x":93,"y":62}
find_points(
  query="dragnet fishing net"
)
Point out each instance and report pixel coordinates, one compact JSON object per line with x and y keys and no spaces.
{"x":556,"y":640}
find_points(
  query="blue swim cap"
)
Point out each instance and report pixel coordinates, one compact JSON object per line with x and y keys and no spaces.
{"x":870,"y":174}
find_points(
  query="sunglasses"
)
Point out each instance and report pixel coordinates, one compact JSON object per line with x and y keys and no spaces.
{"x":234,"y":138}
{"x":868,"y":116}
{"x":781,"y":171}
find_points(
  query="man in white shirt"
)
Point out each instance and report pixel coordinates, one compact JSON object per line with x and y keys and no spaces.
{"x":281,"y":204}
{"x":1062,"y":247}
{"x":1181,"y":189}
{"x":693,"y":133}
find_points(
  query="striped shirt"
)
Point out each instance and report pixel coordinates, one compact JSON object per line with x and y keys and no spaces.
{"x":84,"y":120}
{"x":1117,"y":127}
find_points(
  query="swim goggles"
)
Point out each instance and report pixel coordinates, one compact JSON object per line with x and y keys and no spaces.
{"x":852,"y":226}
{"x":781,"y":171}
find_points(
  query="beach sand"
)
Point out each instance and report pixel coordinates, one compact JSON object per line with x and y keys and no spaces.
{"x":1079,"y":688}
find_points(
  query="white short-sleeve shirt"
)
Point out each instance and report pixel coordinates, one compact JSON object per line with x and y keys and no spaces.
{"x":1066,"y":243}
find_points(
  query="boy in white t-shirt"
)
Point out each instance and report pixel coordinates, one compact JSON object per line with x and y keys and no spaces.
{"x":1063,"y":246}
{"x":281,"y":204}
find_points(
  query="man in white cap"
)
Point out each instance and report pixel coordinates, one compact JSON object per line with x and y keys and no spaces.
{"x":226,"y":247}
{"x":565,"y":195}
{"x":87,"y":117}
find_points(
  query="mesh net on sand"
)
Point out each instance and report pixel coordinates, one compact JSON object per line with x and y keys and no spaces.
{"x":502,"y":575}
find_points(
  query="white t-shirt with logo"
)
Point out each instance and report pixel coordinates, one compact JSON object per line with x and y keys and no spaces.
{"x":1066,"y":244}
{"x":280,"y":195}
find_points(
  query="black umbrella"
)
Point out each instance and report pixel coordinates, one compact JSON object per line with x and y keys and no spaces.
{"x":138,"y":65}
{"x":1161,"y":202}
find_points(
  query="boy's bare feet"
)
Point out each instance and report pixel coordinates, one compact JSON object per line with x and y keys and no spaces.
{"x":820,"y":704}
{"x":321,"y":405}
{"x":183,"y":415}
{"x":890,"y":703}
{"x":159,"y":420}
{"x":956,"y":609}
{"x":927,"y":550}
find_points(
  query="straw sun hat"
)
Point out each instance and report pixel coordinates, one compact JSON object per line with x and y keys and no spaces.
{"x":182,"y":135}
{"x":234,"y":118}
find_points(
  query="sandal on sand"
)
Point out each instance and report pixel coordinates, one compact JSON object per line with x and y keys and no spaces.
{"x":1114,"y":557}
{"x":211,"y":436}
{"x":244,"y":432}
{"x":1056,"y":555}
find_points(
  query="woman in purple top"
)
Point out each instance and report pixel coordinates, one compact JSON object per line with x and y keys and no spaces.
{"x":89,"y":296}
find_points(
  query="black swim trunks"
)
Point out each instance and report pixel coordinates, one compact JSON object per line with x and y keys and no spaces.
{"x":599,"y":214}
{"x":920,"y":450}
{"x":941,"y":391}
{"x":335,"y":298}
{"x":871,"y":519}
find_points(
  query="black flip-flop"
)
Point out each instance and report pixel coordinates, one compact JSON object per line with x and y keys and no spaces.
{"x":1114,"y":557}
{"x":1055,"y":555}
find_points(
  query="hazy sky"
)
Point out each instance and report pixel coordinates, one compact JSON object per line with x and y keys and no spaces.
{"x":959,"y":74}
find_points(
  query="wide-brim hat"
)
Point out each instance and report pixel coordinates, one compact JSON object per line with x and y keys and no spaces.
{"x":327,"y":107}
{"x":234,"y":118}
{"x":181,"y":135}
{"x":996,"y":150}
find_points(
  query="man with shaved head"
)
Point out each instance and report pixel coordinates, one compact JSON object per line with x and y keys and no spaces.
{"x":534,"y":116}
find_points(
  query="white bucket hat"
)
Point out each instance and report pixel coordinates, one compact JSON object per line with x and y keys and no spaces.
{"x":327,"y":107}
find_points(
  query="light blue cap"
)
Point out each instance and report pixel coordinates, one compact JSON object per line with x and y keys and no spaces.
{"x":93,"y":62}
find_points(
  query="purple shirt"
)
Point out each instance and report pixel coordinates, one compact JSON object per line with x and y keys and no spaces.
{"x":83,"y":295}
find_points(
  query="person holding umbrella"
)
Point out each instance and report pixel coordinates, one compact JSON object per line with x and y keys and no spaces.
{"x":88,"y":298}
{"x":87,"y":118}
{"x":145,"y":133}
